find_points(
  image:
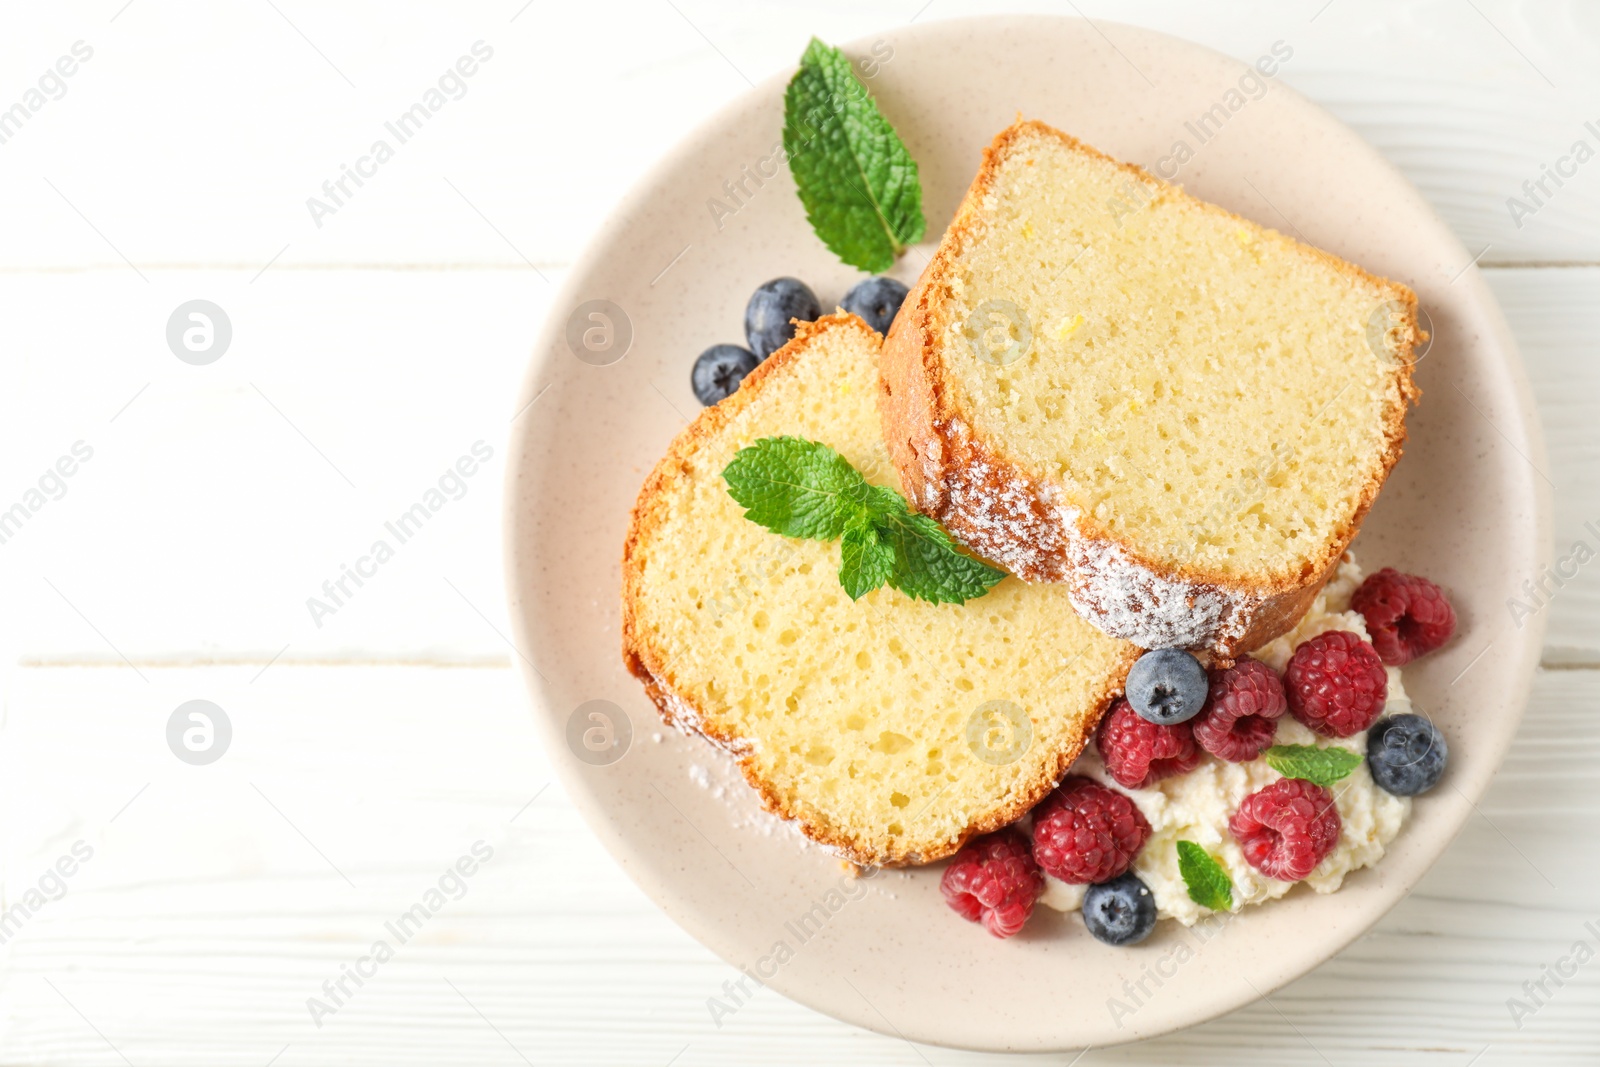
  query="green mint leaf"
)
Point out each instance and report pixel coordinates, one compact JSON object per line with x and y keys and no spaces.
{"x":865,"y":560}
{"x":857,"y":181}
{"x":927,"y":564}
{"x":884,"y":503}
{"x":797,"y":488}
{"x":801,"y":488}
{"x":1209,"y":885}
{"x":1324,"y":766}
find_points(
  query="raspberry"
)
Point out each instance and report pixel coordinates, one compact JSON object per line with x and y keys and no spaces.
{"x":1336,"y":684}
{"x":1241,"y":712}
{"x":1138,"y":752}
{"x":995,"y":881}
{"x":1086,"y":833}
{"x":1287,"y":828}
{"x":1407,"y":616}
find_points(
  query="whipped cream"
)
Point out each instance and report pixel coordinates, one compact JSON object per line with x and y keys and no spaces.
{"x":1196,"y":806}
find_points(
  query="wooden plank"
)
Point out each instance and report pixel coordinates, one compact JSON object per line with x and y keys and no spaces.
{"x":225,"y":123}
{"x":220,"y":498}
{"x":1554,"y":315}
{"x":221,"y":486}
{"x":216,"y":903}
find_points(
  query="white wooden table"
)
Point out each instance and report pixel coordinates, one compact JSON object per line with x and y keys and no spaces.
{"x":206,"y":904}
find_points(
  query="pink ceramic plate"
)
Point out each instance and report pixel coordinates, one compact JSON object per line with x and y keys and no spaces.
{"x":669,"y":275}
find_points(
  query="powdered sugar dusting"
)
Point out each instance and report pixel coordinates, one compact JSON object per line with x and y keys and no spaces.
{"x":1126,"y":599}
{"x":995,"y":511}
{"x":702,"y":778}
{"x":724,"y":782}
{"x":682,"y":714}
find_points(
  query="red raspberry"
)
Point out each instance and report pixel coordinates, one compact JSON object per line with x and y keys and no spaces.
{"x":1138,"y":752}
{"x":1407,"y":616}
{"x":1287,"y":828}
{"x":1087,"y":833}
{"x":1336,"y":684}
{"x":994,"y":880}
{"x":1241,"y":714}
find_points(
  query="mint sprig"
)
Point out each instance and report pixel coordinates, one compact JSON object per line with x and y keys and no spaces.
{"x":802,"y":488}
{"x":857,"y":181}
{"x":1324,"y":766}
{"x":1208,"y":884}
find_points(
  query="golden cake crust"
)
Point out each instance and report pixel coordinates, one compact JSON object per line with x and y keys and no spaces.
{"x":993,"y":506}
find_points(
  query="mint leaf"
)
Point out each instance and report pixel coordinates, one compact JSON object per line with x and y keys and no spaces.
{"x":801,"y":488}
{"x":796,"y":487}
{"x":1209,"y":885}
{"x":1324,"y":766}
{"x":884,"y":502}
{"x":865,"y":561}
{"x":856,"y":179}
{"x":928,"y":565}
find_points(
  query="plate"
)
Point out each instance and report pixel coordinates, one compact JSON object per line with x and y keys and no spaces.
{"x":608,"y":388}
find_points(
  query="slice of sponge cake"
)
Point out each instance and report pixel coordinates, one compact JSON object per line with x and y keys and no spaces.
{"x":890,"y":728}
{"x":1101,"y":381}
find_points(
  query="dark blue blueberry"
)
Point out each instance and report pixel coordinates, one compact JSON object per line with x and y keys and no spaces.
{"x":1406,"y":754}
{"x":719,"y":370}
{"x":1121,"y":911}
{"x":876,"y":300}
{"x":767,"y":324}
{"x":1167,"y":686}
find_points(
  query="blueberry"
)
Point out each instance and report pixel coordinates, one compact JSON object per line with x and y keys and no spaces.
{"x":719,"y":370}
{"x":1121,"y":911}
{"x":766,"y":317}
{"x":1167,"y":686}
{"x":1406,"y":754}
{"x":877,"y":300}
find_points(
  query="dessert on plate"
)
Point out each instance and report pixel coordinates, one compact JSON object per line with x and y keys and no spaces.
{"x":1109,"y":651}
